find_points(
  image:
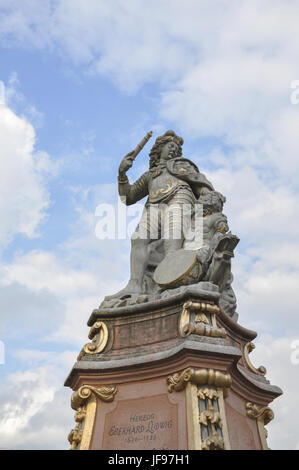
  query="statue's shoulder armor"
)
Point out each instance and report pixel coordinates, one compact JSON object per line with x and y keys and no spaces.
{"x":179,"y":166}
{"x":185,"y":169}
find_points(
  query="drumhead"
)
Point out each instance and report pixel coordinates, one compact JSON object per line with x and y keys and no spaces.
{"x":174,"y":267}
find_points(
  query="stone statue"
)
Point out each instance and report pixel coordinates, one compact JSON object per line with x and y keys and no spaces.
{"x":170,"y":250}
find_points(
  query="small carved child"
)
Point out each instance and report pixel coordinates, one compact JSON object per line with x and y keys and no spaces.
{"x":214,"y":222}
{"x":213,"y":228}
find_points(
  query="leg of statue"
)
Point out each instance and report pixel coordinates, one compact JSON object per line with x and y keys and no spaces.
{"x":173,"y":245}
{"x":139,"y":256}
{"x":177,"y":218}
{"x":138,"y":262}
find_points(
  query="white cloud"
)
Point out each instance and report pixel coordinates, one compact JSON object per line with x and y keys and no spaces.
{"x":134,"y":42}
{"x":32,"y":393}
{"x":23,"y":194}
{"x":58,"y":277}
{"x":34,"y":311}
{"x":275,"y":355}
{"x":266,"y":300}
{"x":41,"y":276}
{"x":266,"y":263}
{"x":35,"y":409}
{"x":224,"y":70}
{"x":258,"y":205}
{"x":52,"y":295}
{"x":16,"y":101}
{"x":62,"y":288}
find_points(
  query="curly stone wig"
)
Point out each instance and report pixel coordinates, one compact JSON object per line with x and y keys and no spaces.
{"x":156,"y":150}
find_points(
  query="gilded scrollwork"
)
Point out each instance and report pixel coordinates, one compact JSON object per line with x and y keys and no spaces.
{"x":201,"y":307}
{"x":206,"y":420}
{"x":207,"y":393}
{"x":75,"y":436}
{"x":203,"y":322}
{"x":247,"y":350}
{"x":263,"y":416}
{"x":84,"y":402}
{"x":265,"y":413}
{"x":105,"y":393}
{"x":210,"y":417}
{"x":178,"y":381}
{"x":202,"y":318}
{"x":98,"y":335}
{"x":199,"y":328}
{"x":213,"y":442}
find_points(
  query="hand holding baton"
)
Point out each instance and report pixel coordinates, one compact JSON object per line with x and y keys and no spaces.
{"x":127,"y":161}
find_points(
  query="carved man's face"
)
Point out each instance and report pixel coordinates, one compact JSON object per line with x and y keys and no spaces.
{"x":170,"y":150}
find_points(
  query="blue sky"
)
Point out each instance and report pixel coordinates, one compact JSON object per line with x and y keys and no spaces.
{"x":84,"y":81}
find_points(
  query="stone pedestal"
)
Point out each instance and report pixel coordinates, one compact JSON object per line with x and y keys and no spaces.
{"x":169,"y":374}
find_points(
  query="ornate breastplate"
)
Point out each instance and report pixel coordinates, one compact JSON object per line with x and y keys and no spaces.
{"x":163,"y":185}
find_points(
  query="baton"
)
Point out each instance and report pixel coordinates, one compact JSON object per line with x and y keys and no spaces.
{"x":141,"y":145}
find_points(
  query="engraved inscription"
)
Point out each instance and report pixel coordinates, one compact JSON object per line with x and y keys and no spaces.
{"x":132,"y":426}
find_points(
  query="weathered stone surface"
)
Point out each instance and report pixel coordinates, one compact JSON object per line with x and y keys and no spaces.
{"x":167,"y":366}
{"x":183,"y":237}
{"x":144,"y":348}
{"x":202,"y":290}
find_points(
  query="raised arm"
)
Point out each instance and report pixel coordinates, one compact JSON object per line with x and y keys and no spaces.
{"x":131,"y":193}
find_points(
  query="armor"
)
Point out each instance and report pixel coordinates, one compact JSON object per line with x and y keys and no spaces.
{"x":170,"y":177}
